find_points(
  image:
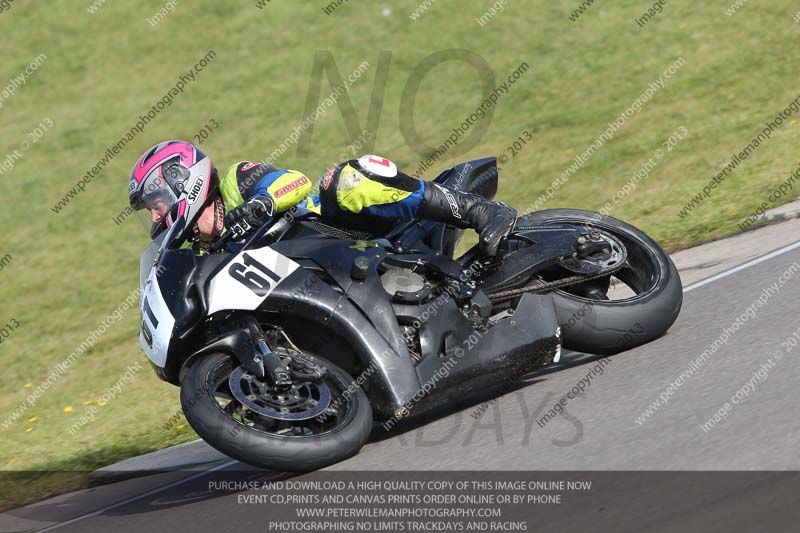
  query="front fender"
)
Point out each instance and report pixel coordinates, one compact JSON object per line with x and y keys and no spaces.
{"x":303,"y":302}
{"x":388,"y":371}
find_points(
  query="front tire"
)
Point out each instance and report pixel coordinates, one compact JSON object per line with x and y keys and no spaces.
{"x":202,"y":387}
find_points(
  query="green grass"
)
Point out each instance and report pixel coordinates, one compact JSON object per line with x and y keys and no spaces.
{"x":72,"y":269}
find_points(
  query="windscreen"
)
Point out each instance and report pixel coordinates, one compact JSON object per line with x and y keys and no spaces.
{"x":148,"y":258}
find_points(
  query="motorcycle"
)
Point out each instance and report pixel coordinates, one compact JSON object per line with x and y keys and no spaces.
{"x":291,"y":346}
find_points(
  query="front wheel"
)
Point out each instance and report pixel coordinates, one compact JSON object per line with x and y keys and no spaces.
{"x":310,"y":425}
{"x":635,"y":305}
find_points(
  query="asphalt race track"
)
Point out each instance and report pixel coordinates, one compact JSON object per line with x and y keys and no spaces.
{"x":754,"y":371}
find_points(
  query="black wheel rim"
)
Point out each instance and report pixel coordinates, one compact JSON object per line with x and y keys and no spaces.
{"x":339,"y":412}
{"x":642,"y":272}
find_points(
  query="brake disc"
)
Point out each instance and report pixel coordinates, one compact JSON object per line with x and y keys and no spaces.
{"x":612,"y":253}
{"x":293,"y":404}
{"x":617,"y":258}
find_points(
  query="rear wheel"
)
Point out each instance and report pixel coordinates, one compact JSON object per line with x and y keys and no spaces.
{"x":635,"y":305}
{"x":309,"y":425}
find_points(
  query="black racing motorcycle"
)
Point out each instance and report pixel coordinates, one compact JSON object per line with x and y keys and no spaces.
{"x":290,"y":347}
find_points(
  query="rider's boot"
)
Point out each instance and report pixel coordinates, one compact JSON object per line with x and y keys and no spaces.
{"x":492,"y":220}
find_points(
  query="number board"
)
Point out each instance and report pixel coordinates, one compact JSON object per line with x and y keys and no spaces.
{"x":248,"y":279}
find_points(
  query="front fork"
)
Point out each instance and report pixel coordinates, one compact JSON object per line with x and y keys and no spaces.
{"x":280,"y":366}
{"x":263,"y":361}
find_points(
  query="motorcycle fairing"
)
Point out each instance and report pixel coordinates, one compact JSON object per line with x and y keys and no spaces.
{"x":514,"y":346}
{"x":246,"y":281}
{"x":350,"y":311}
{"x":158,"y":323}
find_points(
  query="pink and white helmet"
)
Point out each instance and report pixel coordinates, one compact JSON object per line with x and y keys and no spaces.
{"x":169,"y":173}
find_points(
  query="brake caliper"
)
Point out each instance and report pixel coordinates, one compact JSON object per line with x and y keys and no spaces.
{"x":302,"y":367}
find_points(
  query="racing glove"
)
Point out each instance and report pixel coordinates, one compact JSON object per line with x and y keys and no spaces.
{"x":248,"y":216}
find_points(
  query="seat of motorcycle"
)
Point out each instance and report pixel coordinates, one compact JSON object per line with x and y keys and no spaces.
{"x":478,"y":176}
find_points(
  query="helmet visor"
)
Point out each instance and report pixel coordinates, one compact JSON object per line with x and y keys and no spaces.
{"x":160,"y":201}
{"x":153,"y":192}
{"x":152,"y":208}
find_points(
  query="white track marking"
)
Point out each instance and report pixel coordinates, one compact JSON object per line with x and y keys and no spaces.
{"x":739,"y":268}
{"x":138,"y":497}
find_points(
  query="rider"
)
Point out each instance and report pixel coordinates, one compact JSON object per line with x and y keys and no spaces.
{"x":369,"y":193}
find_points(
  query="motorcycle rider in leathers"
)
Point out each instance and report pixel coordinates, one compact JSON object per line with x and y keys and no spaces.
{"x":366,"y":193}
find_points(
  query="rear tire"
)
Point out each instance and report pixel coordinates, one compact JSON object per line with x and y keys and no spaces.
{"x":607,"y":327}
{"x":268,"y":450}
